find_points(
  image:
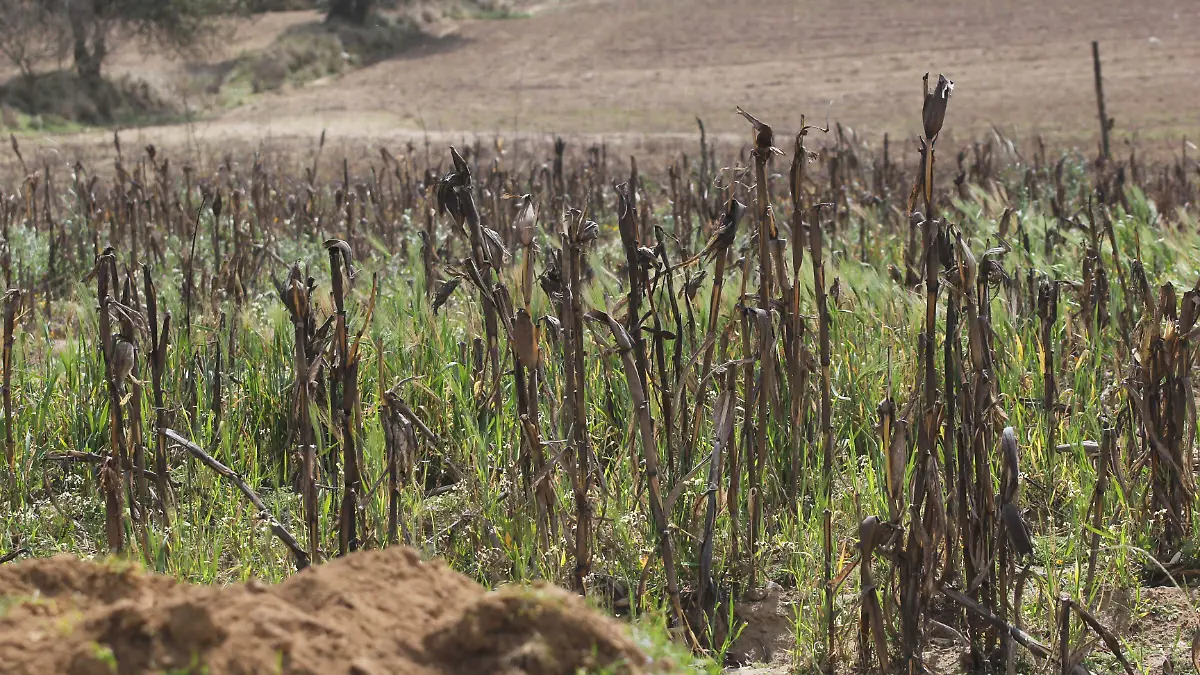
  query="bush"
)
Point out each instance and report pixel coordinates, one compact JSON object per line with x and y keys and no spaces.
{"x":296,"y":59}
{"x":317,"y":50}
{"x":64,"y":95}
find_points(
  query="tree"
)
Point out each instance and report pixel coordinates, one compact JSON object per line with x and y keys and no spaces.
{"x":32,"y":33}
{"x":350,"y":11}
{"x":174,"y":25}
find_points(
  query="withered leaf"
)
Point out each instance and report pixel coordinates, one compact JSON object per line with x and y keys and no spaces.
{"x":1011,"y":464}
{"x":443,"y":293}
{"x":525,"y":221}
{"x":764,"y":137}
{"x":933,"y":112}
{"x":525,"y":339}
{"x":1018,"y":533}
{"x":589,"y":232}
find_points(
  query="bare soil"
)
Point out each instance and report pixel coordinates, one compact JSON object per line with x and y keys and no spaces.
{"x":650,"y":67}
{"x":369,"y":613}
{"x":638,"y":74}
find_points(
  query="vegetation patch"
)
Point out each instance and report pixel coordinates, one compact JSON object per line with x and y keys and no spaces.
{"x":307,"y":53}
{"x":58,"y":100}
{"x":485,"y":10}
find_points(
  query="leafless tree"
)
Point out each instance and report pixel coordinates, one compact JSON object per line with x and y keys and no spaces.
{"x":33,"y":33}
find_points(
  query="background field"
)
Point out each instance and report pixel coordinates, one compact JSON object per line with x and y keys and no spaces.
{"x":634,"y":71}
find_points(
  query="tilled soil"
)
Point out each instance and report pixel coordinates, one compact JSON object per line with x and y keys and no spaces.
{"x":638,"y":73}
{"x":370,"y":613}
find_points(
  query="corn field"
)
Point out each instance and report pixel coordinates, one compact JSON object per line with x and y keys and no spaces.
{"x":927,"y":390}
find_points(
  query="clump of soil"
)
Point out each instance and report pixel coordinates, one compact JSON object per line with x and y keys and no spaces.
{"x":370,"y":613}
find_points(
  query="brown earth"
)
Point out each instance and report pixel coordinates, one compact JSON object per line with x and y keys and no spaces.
{"x":612,"y":66}
{"x":369,"y":613}
{"x":637,"y":73}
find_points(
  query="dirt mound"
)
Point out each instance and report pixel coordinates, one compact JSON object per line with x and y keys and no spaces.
{"x":375,"y":612}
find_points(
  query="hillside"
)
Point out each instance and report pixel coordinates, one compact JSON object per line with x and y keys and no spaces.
{"x":625,"y":68}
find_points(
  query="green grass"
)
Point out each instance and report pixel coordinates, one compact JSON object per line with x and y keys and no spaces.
{"x":61,"y":405}
{"x":35,"y":124}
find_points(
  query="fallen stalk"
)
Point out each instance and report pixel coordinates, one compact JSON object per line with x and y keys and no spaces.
{"x":641,"y":407}
{"x":302,"y":559}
